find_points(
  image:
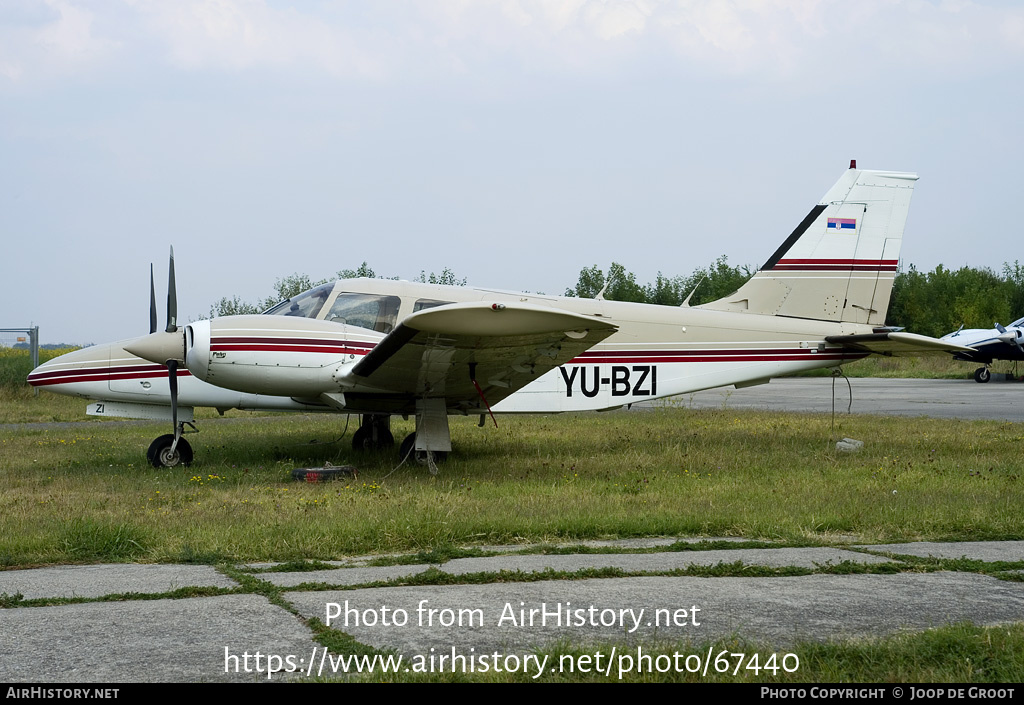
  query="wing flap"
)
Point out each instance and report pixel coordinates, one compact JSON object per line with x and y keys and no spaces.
{"x":896,"y":343}
{"x":503,"y":347}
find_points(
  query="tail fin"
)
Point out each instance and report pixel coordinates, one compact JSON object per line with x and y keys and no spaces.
{"x":840,"y":262}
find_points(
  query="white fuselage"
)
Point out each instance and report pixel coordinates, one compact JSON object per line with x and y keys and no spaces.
{"x":657,"y":351}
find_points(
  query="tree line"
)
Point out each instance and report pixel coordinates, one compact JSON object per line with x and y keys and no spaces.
{"x":929,"y":303}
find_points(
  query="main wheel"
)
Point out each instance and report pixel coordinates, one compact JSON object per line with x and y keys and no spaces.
{"x":982,"y":375}
{"x":160,"y":455}
{"x":362,"y":439}
{"x":408,"y":450}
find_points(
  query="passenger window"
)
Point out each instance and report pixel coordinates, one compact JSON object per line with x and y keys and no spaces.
{"x":428,"y":303}
{"x":379,"y":313}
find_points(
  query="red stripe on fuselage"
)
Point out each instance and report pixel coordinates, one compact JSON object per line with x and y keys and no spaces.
{"x":287,"y":348}
{"x":98,"y":375}
{"x":275,"y":344}
{"x":264,"y":339}
{"x":735,"y":355}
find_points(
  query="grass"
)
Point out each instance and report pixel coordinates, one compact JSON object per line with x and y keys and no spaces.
{"x":83,"y":493}
{"x":16,"y":363}
{"x":78,"y":494}
{"x":960,"y":653}
{"x":955,"y":654}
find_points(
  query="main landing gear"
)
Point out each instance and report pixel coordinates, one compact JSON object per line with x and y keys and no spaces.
{"x":374,"y":433}
{"x":420,"y":457}
{"x":428,"y":445}
{"x":982,"y":375}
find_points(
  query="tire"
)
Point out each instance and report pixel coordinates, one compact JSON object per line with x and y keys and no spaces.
{"x":362,"y":439}
{"x":408,"y":450}
{"x":982,"y":375}
{"x":160,"y":456}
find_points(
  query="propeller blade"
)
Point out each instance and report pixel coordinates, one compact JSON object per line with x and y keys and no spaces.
{"x":1000,"y":328}
{"x":172,"y":298}
{"x":172,"y":378}
{"x":152,"y":301}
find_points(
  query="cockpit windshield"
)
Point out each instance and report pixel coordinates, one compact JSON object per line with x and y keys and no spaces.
{"x":379,"y":313}
{"x":305,"y":305}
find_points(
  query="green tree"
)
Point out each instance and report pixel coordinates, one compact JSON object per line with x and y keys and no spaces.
{"x":943,"y":300}
{"x":232,"y":307}
{"x":621,"y":284}
{"x":589,"y":284}
{"x":446,"y":277}
{"x":716,"y":281}
{"x":667,"y":291}
{"x":287,"y":287}
{"x":1014,"y":276}
{"x":364,"y":270}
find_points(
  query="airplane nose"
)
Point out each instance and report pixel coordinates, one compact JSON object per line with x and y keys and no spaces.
{"x":159,"y":347}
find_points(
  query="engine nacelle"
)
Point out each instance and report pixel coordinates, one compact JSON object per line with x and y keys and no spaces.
{"x":274,"y":355}
{"x":1013,"y":336}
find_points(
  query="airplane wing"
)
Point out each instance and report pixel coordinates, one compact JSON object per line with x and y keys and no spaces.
{"x":896,"y":343}
{"x":439,"y":352}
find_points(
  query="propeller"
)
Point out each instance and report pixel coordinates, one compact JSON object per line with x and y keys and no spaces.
{"x":172,"y":327}
{"x":166,"y":347}
{"x":1011,"y":336}
{"x":172,"y":297}
{"x":152,"y":302}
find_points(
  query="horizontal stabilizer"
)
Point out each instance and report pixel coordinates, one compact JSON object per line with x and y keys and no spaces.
{"x":896,"y":343}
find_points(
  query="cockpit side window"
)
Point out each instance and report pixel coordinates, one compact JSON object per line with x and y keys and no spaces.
{"x":379,"y":313}
{"x":428,"y":303}
{"x":305,"y":305}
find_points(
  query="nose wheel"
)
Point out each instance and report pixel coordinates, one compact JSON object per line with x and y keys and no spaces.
{"x":163,"y":453}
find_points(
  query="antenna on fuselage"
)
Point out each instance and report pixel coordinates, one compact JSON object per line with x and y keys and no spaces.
{"x":686,"y":301}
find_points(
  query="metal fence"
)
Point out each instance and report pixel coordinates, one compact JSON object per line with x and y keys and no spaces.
{"x":27,"y":338}
{"x":23,"y":339}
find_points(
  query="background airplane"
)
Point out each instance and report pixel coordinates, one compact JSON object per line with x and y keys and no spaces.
{"x":988,"y":345}
{"x":379,"y":347}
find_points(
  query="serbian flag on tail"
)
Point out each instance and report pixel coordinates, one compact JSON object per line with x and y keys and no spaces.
{"x":842,"y":224}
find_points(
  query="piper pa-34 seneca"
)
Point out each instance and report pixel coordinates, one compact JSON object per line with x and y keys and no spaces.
{"x":988,"y":345}
{"x":378,"y":347}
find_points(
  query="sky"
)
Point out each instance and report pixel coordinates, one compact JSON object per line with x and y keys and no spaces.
{"x":515,"y":142}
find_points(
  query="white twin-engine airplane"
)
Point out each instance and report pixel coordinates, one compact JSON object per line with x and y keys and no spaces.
{"x":379,"y":347}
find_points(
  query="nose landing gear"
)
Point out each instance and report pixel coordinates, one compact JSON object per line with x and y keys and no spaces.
{"x":163,"y":453}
